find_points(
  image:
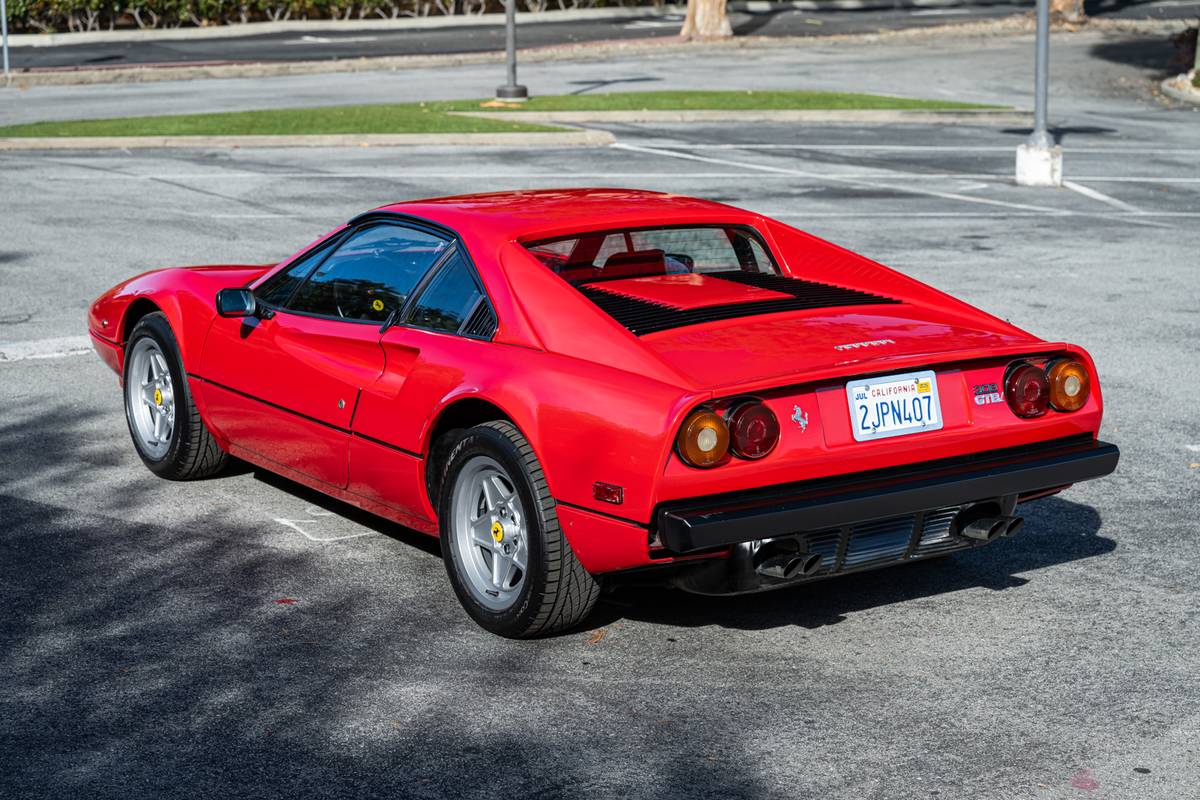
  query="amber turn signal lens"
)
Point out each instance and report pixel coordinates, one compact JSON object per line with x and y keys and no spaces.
{"x":703,"y":440}
{"x":753,"y":430}
{"x":1070,"y":385}
{"x":1027,"y":390}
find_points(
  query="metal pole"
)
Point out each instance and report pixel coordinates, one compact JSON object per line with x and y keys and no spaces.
{"x":1040,"y":138}
{"x":4,"y":28}
{"x":511,"y":90}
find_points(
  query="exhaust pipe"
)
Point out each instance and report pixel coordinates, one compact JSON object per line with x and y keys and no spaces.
{"x":985,"y":529}
{"x":789,"y":565}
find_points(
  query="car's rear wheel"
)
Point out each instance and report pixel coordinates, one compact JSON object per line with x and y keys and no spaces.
{"x":505,"y":553}
{"x":164,"y":422}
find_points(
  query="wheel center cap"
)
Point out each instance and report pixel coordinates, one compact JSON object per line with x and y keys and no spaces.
{"x":497,"y":532}
{"x":158,"y":397}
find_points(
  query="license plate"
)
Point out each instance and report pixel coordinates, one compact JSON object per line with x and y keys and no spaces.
{"x":894,"y":405}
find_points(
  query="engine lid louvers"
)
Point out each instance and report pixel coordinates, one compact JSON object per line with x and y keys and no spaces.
{"x":643,"y":316}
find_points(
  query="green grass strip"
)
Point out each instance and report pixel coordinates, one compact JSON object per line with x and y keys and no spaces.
{"x":433,"y":117}
{"x":398,"y":118}
{"x":712,"y":101}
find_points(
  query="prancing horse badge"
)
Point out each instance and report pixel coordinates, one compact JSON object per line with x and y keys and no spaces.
{"x":800,"y":418}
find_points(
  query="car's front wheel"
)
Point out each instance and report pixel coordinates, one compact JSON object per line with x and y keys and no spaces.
{"x":163,"y":419}
{"x":505,"y":553}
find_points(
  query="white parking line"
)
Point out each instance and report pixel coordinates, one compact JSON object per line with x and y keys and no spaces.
{"x":57,"y":347}
{"x":294,"y":524}
{"x":1101,"y":197}
{"x":874,"y":184}
{"x":559,"y":175}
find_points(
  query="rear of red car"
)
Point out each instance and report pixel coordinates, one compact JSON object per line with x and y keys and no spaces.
{"x":850,"y":417}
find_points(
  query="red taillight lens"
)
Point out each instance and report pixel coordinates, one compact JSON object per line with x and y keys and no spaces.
{"x":753,"y":430}
{"x":1027,"y":390}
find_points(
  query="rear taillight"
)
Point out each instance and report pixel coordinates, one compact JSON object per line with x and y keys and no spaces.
{"x":1070,"y":384}
{"x":753,"y":430}
{"x":1027,"y":390}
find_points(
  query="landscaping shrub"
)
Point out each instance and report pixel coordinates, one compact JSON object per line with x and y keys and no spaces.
{"x":92,"y":15}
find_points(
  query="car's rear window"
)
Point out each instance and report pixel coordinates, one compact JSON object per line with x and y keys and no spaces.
{"x":644,"y":252}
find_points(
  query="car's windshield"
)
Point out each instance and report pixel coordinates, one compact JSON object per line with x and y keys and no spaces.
{"x":636,"y":253}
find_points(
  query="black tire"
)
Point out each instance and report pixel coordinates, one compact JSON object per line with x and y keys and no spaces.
{"x":193,"y":452}
{"x":558,"y":593}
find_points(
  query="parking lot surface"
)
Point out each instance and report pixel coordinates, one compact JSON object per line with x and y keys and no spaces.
{"x":241,"y":636}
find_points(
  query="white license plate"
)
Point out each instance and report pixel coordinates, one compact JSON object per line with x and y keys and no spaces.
{"x":894,"y":405}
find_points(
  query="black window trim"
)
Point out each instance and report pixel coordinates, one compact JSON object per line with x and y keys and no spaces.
{"x":406,"y":314}
{"x":402,"y":317}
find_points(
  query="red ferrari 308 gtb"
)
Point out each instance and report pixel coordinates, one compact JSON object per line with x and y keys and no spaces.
{"x":564,"y":385}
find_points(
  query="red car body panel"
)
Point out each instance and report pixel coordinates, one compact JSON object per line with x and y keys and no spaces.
{"x":350,"y":411}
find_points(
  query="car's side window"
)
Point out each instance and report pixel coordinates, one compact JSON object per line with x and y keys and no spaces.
{"x":371,"y":273}
{"x":279,"y":287}
{"x":449,"y":299}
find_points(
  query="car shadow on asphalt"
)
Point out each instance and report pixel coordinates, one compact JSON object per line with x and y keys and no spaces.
{"x":1057,"y":531}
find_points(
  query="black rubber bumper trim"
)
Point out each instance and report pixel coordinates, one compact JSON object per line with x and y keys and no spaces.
{"x":719,"y":521}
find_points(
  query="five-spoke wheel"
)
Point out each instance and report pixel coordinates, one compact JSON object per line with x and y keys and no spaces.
{"x":150,"y":397}
{"x":489,"y":532}
{"x":508,"y":560}
{"x":163,"y":420}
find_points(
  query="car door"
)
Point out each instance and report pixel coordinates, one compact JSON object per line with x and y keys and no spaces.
{"x":285,"y":384}
{"x":447,"y":325}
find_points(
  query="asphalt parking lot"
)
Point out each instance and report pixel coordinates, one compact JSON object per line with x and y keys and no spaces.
{"x":243,"y":637}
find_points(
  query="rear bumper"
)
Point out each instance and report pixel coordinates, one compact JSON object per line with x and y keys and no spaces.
{"x":721,"y":521}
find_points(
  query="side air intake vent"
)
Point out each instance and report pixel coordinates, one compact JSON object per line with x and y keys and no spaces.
{"x":481,"y":323}
{"x":642,"y":316}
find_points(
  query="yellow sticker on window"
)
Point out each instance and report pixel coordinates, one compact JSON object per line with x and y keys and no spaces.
{"x":377,"y":305}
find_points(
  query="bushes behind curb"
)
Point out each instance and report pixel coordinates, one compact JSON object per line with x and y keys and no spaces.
{"x":45,"y":16}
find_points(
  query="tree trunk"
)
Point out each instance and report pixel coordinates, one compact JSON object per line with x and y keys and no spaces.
{"x":1067,"y":10}
{"x":706,"y":19}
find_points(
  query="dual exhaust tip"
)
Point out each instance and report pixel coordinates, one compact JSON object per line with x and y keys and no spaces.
{"x":783,"y":560}
{"x":985,"y":529}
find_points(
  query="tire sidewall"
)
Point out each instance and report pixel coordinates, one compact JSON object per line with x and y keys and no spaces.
{"x":519,"y":617}
{"x":155,"y":327}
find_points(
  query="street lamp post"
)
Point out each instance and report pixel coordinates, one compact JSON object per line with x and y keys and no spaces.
{"x":511,"y":91}
{"x":4,"y":31}
{"x":1039,"y":160}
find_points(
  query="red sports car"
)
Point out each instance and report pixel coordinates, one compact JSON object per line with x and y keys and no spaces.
{"x":565,"y":385}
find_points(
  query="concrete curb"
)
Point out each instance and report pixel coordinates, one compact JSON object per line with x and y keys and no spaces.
{"x":582,"y":138}
{"x":1180,"y":88}
{"x":316,"y":26}
{"x":855,"y":116}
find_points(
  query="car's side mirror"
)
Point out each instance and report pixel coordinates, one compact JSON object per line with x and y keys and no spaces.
{"x":236,"y":303}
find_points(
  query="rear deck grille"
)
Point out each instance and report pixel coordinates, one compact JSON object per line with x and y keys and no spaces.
{"x":642,"y":316}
